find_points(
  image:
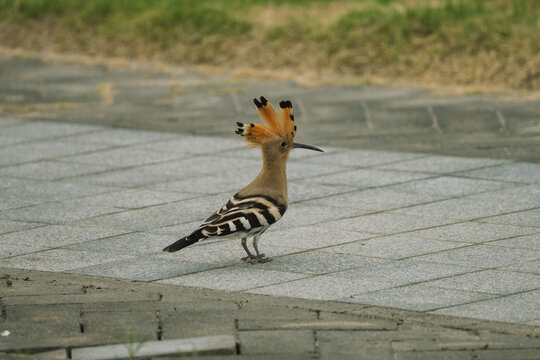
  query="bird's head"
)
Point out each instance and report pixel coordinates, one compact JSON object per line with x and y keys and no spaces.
{"x":276,"y":138}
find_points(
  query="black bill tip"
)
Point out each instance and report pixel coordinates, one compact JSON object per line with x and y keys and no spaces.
{"x":303,"y":146}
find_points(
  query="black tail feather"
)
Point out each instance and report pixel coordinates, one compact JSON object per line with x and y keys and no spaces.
{"x":185,"y":241}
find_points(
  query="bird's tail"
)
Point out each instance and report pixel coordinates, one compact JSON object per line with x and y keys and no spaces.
{"x":185,"y":241}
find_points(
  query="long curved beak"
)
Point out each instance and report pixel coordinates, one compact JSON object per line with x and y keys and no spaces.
{"x":302,"y":146}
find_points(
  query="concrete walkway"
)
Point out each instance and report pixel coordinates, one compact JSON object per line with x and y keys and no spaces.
{"x":421,"y":241}
{"x":438,"y":234}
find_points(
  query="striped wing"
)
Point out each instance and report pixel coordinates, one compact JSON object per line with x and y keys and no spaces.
{"x":247,"y":215}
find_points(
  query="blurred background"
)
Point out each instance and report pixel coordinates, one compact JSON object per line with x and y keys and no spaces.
{"x":488,"y":44}
{"x":457,"y":77}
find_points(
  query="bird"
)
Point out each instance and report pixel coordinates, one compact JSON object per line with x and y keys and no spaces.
{"x":261,"y":203}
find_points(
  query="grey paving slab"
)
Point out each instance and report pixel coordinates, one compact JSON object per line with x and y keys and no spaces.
{"x":366,"y":178}
{"x":525,"y":242}
{"x":474,"y":232}
{"x":463,"y":209}
{"x":377,"y":199}
{"x":402,"y":272}
{"x":420,"y":297}
{"x":311,"y":237}
{"x":299,"y":190}
{"x":514,"y":308}
{"x":532,"y":267}
{"x":482,"y":256}
{"x":123,"y":157}
{"x":44,"y":129}
{"x":441,"y":164}
{"x":490,"y":281}
{"x":233,"y":278}
{"x":449,"y":186}
{"x":142,"y":269}
{"x":194,"y":145}
{"x":9,"y":122}
{"x":322,"y":287}
{"x":50,"y":149}
{"x":362,"y":158}
{"x":8,"y":226}
{"x":522,"y":218}
{"x":131,"y":243}
{"x":301,"y":170}
{"x":120,"y":137}
{"x":317,"y":262}
{"x":302,"y":214}
{"x":527,"y":195}
{"x":387,"y":223}
{"x":55,"y":213}
{"x":51,"y":170}
{"x":60,"y":260}
{"x":132,"y":198}
{"x":394,"y":246}
{"x":521,"y":172}
{"x":45,"y":237}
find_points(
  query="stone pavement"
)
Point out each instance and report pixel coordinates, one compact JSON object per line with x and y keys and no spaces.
{"x":403,"y":244}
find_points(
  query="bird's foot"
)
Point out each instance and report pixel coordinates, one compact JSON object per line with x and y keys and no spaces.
{"x":249,"y":258}
{"x":260,"y":259}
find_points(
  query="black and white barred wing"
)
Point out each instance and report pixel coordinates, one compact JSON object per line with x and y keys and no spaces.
{"x":239,"y":217}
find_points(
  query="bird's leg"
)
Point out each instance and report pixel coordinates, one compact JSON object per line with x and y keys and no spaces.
{"x":250,"y":255}
{"x":260,"y":258}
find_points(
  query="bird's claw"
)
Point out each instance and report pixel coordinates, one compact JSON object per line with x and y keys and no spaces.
{"x":256,"y":259}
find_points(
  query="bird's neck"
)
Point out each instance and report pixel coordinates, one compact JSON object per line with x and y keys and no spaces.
{"x":272,"y":179}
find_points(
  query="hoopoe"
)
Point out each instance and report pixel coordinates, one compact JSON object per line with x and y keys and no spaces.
{"x":263,"y":202}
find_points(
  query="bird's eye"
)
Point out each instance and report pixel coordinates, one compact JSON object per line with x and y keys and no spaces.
{"x":283,"y":144}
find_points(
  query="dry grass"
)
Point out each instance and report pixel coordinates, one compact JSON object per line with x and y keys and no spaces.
{"x":487,"y":44}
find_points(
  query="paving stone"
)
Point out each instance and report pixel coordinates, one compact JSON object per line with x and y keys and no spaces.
{"x":187,"y":321}
{"x":232,"y":278}
{"x":510,"y":354}
{"x":532,"y":267}
{"x":490,"y":281}
{"x":118,"y":137}
{"x":367,"y":178}
{"x":526,"y":195}
{"x":333,"y":345}
{"x":301,"y":215}
{"x":525,"y":242}
{"x":194,"y":145}
{"x":462,"y":209}
{"x":8,"y":226}
{"x":397,"y":273}
{"x":514,"y":308}
{"x":311,"y":237}
{"x":522,"y":172}
{"x":316,"y":262}
{"x":386,"y":223}
{"x":142,"y":269}
{"x":449,"y":186}
{"x":123,"y":157}
{"x":301,"y":170}
{"x":482,"y":256}
{"x":419,"y":297}
{"x":376,"y":199}
{"x":441,"y":164}
{"x":35,"y":151}
{"x":473,"y":232}
{"x":299,"y":190}
{"x":179,"y":229}
{"x":131,"y":243}
{"x":55,"y":213}
{"x":51,"y":170}
{"x":139,"y":326}
{"x":264,"y":342}
{"x":59,"y":260}
{"x":132,"y":198}
{"x":322,"y":287}
{"x":393,"y":247}
{"x":46,"y":237}
{"x":362,"y":158}
{"x":425,"y":355}
{"x":522,"y":218}
{"x":46,"y":129}
{"x":225,"y":345}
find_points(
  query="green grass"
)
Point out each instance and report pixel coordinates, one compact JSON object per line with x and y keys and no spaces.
{"x":494,"y":41}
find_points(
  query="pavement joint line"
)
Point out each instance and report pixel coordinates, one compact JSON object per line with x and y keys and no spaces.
{"x":502,"y":122}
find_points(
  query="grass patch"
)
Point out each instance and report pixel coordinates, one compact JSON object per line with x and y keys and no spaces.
{"x":455,"y":42}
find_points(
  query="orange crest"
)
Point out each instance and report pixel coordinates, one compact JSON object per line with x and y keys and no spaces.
{"x":257,"y":134}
